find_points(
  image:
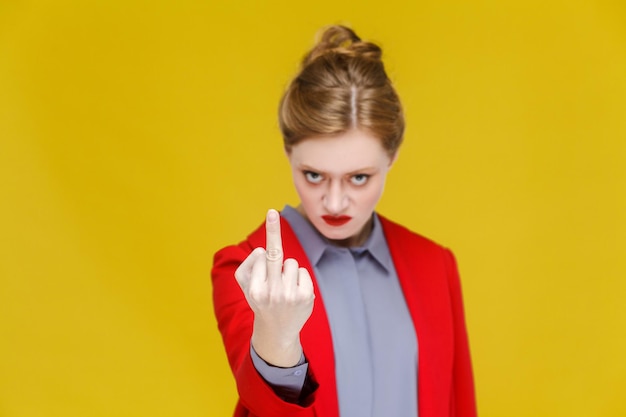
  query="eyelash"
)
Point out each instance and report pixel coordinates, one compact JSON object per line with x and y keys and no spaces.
{"x":309,"y":177}
{"x":316,"y":178}
{"x":364,"y":178}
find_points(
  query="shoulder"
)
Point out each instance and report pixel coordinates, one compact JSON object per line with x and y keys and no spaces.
{"x":398,"y":235}
{"x":416,"y":254}
{"x":236,"y":253}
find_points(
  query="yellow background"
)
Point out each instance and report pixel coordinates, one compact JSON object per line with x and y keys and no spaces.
{"x":137,"y":138}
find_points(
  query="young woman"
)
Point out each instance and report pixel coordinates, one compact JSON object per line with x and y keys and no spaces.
{"x":329,"y":309}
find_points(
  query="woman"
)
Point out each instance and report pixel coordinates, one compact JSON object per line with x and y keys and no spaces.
{"x":335,"y":310}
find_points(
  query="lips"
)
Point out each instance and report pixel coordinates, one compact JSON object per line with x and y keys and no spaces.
{"x":336,"y":220}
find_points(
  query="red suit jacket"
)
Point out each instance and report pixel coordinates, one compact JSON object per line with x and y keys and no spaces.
{"x":430,"y":282}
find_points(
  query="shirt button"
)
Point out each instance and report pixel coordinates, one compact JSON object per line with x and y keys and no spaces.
{"x":298,"y":372}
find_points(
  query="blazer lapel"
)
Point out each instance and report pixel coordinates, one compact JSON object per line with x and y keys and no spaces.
{"x":421,"y":271}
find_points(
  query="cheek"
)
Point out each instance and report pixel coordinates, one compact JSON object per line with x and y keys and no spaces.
{"x":298,"y":183}
{"x":370,"y":197}
{"x":305,"y":191}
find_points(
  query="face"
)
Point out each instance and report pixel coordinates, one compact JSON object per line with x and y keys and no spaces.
{"x":340,"y":179}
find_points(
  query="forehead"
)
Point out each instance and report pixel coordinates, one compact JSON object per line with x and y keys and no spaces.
{"x":350,"y":151}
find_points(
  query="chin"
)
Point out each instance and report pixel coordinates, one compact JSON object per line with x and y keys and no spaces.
{"x":329,"y":232}
{"x":336,"y":236}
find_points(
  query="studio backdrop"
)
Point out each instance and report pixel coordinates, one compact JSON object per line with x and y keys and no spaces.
{"x":139,"y":137}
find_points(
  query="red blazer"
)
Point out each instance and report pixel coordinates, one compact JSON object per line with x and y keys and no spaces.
{"x":430,"y":282}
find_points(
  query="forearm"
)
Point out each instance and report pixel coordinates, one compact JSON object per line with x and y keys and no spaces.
{"x":236,"y":323}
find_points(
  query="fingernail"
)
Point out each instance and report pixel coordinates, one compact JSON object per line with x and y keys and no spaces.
{"x":272,"y":216}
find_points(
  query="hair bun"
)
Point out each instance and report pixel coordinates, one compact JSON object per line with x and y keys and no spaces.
{"x":342,"y":40}
{"x":341,"y":85}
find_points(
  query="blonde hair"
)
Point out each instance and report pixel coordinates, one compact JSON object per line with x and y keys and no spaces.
{"x":342,"y":85}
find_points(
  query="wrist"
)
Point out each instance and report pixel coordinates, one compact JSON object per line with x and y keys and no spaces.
{"x":278,"y":350}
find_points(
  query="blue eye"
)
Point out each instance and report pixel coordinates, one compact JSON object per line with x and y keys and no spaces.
{"x":359,"y":179}
{"x":313,"y":177}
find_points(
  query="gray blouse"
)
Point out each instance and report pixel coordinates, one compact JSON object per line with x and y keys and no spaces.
{"x":374,"y":341}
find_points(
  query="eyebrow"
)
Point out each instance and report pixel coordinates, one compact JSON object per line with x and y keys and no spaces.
{"x":365,"y":170}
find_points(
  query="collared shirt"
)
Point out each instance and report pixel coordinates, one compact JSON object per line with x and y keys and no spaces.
{"x":374,"y":341}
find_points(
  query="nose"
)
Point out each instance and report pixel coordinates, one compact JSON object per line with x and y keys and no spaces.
{"x":335,"y":199}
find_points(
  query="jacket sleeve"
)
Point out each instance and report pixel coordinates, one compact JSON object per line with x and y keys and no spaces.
{"x":235,"y":320}
{"x":463,"y":401}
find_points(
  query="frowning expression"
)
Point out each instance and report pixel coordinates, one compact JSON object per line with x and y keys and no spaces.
{"x":340,"y":179}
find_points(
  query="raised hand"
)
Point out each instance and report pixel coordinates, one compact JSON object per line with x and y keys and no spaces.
{"x":281,"y":296}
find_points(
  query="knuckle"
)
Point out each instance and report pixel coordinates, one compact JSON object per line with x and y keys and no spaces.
{"x":308,"y":294}
{"x":288,"y":299}
{"x":291,"y":263}
{"x":257,"y":294}
{"x":240,"y":277}
{"x":273,"y":254}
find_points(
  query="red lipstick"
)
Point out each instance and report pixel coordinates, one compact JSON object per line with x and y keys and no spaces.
{"x":336,"y":220}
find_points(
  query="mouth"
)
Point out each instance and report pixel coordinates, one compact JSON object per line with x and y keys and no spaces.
{"x":336,"y":220}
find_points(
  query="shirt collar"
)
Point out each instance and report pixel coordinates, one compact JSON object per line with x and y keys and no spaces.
{"x":314,"y":244}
